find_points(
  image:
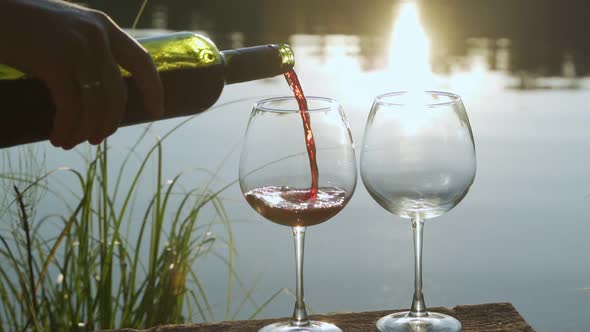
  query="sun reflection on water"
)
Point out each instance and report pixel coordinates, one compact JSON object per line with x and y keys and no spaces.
{"x":409,"y":53}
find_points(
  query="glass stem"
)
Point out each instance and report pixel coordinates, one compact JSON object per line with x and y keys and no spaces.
{"x":299,"y":313}
{"x":418,"y":306}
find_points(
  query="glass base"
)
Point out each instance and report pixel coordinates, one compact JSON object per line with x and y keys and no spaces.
{"x":433,"y":322}
{"x":313,"y":326}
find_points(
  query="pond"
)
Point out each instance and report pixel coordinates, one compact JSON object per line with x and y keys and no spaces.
{"x":519,"y":236}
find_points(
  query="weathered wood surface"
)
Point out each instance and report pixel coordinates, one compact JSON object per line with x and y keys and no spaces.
{"x":493,"y":317}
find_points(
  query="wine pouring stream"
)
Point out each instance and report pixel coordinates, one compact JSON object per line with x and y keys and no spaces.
{"x":295,"y":86}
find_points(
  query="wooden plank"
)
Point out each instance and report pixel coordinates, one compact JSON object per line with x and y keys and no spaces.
{"x":492,"y":317}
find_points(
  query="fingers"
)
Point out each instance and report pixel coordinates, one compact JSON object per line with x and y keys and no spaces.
{"x":68,"y":104}
{"x":133,"y":57}
{"x":90,"y":119}
{"x":94,"y":104}
{"x":105,"y":114}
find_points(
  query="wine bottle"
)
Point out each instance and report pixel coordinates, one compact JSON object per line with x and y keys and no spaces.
{"x":193,"y":73}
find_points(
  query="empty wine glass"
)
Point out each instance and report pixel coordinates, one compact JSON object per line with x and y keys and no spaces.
{"x":418,"y":162}
{"x":298,"y":169}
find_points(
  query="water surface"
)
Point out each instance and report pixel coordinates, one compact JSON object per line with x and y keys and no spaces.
{"x":519,"y":236}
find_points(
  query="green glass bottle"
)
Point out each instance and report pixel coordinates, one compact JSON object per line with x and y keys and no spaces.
{"x":193,"y":73}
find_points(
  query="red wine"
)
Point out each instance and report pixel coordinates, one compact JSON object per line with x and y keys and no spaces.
{"x":293,"y":207}
{"x":295,"y":85}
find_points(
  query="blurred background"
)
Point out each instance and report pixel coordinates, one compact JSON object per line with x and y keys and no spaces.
{"x":521,"y":67}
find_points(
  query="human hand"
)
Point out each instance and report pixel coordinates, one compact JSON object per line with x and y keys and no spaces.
{"x":76,"y":51}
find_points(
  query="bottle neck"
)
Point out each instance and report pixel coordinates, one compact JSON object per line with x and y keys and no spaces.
{"x":257,"y":62}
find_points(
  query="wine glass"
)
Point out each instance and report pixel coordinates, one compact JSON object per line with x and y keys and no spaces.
{"x":298,"y":169}
{"x":418,"y":162}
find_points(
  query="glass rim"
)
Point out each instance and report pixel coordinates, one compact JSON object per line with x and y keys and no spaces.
{"x":454,"y":98}
{"x":261,"y":104}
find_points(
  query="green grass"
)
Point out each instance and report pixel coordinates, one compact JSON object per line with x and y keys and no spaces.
{"x":92,"y":275}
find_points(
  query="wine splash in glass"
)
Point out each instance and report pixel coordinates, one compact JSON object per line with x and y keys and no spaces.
{"x":418,"y":162}
{"x":279,"y":175}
